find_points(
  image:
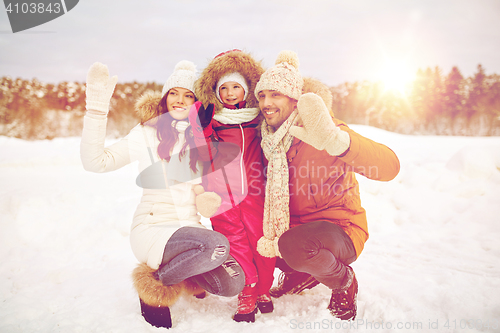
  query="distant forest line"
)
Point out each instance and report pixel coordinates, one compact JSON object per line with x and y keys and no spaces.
{"x":435,"y":104}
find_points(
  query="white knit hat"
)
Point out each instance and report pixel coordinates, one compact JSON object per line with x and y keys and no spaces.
{"x":232,"y":77}
{"x":184,"y":76}
{"x":283,"y":77}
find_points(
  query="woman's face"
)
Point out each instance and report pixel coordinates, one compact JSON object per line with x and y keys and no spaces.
{"x":179,"y":100}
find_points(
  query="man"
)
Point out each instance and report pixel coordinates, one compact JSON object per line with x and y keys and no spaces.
{"x":313,"y":217}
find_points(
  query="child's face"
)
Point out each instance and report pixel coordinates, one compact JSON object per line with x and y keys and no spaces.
{"x":231,"y":93}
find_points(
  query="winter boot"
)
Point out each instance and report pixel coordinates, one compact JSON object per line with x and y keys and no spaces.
{"x":201,"y":295}
{"x":293,"y":283}
{"x":265,"y":303}
{"x":156,"y":298}
{"x":247,"y":305}
{"x":156,"y":316}
{"x":343,"y":304}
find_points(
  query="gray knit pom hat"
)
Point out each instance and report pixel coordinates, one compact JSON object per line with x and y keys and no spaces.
{"x":284,"y":77}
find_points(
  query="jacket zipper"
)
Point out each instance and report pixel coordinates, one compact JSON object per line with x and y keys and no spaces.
{"x":241,"y":160}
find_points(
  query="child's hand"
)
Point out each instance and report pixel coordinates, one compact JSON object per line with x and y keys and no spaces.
{"x":201,"y":118}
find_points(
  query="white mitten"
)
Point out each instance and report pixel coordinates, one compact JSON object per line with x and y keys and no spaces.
{"x":207,"y":203}
{"x":99,"y":89}
{"x":319,"y":129}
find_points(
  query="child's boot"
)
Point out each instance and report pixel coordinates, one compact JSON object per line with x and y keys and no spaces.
{"x":247,"y":304}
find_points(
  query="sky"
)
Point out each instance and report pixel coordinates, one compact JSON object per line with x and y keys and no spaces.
{"x":336,"y":41}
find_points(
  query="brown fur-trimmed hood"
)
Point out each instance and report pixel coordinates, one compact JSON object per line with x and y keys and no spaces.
{"x":233,"y":61}
{"x":146,"y":106}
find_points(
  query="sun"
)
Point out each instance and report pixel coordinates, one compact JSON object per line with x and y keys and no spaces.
{"x":396,"y":76}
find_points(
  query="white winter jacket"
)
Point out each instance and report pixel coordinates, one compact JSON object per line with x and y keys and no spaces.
{"x":161,"y":211}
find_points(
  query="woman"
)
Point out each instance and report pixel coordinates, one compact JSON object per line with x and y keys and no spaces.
{"x":177,"y":253}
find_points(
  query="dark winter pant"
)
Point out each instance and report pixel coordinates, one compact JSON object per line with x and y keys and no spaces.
{"x":322,"y":249}
{"x":203,"y":256}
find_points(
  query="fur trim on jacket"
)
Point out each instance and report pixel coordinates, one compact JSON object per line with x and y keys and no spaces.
{"x":146,"y":106}
{"x":233,"y":61}
{"x":154,"y":293}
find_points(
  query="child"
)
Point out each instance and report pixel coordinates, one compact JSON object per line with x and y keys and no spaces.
{"x":166,"y":235}
{"x":228,"y":83}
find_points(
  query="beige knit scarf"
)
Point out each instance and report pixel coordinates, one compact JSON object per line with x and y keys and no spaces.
{"x":237,"y":116}
{"x":276,"y":205}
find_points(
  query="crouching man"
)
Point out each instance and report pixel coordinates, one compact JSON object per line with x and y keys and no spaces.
{"x":313,"y":219}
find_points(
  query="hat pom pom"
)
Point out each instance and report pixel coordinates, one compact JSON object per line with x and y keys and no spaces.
{"x":185,"y":65}
{"x":289,"y":57}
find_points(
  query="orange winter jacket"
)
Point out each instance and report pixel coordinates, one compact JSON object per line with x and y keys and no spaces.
{"x":324,"y":187}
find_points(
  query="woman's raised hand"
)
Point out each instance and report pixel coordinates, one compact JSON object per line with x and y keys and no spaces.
{"x":100,"y":88}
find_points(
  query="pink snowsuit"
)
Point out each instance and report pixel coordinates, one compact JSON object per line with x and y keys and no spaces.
{"x":241,"y":185}
{"x":238,"y":175}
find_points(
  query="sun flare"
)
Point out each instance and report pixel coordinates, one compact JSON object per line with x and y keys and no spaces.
{"x":396,"y":76}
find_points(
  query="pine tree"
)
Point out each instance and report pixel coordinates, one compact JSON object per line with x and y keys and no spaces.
{"x":436,"y":105}
{"x":476,"y":106}
{"x":420,"y":98}
{"x":453,"y":97}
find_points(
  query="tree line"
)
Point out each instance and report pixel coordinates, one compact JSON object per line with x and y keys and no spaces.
{"x":30,"y":109}
{"x":434,"y":104}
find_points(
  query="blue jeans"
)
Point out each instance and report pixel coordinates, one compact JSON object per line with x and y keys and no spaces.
{"x":321,"y":248}
{"x":201,"y":255}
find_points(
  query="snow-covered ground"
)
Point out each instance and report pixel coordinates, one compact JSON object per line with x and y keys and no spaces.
{"x":431,"y":263}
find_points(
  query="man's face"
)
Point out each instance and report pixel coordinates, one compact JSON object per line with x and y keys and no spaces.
{"x":276,"y":107}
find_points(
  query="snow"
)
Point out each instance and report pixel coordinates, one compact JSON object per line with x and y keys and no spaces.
{"x":430,"y":265}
